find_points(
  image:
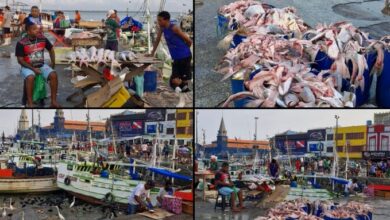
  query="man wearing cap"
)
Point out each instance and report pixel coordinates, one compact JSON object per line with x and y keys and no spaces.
{"x":112,"y":26}
{"x":140,"y":194}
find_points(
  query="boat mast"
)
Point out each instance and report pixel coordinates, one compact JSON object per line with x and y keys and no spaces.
{"x":89,"y":132}
{"x":335,"y":157}
{"x":148,"y":22}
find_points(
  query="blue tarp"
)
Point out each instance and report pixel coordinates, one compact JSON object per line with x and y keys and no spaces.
{"x":132,"y":22}
{"x":170,"y":174}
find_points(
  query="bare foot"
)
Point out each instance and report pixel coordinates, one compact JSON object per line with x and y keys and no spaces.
{"x":55,"y":105}
{"x":242,"y":207}
{"x":236,"y":210}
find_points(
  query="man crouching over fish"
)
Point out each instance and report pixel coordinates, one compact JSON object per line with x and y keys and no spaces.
{"x":29,"y":51}
{"x":226,"y":187}
{"x":179,"y":48}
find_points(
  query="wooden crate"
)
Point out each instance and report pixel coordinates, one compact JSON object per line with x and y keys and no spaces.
{"x":381,"y":193}
{"x":91,"y":24}
{"x":87,"y":42}
{"x":187,"y":207}
{"x":61,"y":53}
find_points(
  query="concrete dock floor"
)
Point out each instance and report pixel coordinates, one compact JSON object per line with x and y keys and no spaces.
{"x":209,"y":91}
{"x":11,"y":84}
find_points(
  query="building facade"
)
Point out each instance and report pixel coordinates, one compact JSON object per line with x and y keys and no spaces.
{"x":291,"y":142}
{"x":60,"y":129}
{"x":351,"y":140}
{"x":378,"y":138}
{"x":184,"y":125}
{"x":224,"y":147}
{"x":162,"y":121}
{"x":382,"y":118}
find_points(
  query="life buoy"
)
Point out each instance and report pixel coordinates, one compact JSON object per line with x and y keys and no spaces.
{"x":67,"y":181}
{"x":109,"y":197}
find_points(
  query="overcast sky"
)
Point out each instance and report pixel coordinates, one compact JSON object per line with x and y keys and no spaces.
{"x":120,"y":5}
{"x":241,"y":123}
{"x":9,"y":118}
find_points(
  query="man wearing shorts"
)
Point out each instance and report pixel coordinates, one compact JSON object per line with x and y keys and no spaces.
{"x":226,"y":187}
{"x":179,"y":48}
{"x":7,"y":26}
{"x":29,"y":52}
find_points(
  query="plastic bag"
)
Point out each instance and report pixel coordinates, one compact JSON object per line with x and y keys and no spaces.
{"x":39,"y":91}
{"x":139,"y":82}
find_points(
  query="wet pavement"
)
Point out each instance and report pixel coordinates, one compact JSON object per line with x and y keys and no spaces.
{"x":205,"y":210}
{"x":42,"y":207}
{"x":11,"y":85}
{"x":209,"y":91}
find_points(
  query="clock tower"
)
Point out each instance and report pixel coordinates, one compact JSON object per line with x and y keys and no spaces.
{"x":222,"y":137}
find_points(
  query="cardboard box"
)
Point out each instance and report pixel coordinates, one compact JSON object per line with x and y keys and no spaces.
{"x":187,"y":207}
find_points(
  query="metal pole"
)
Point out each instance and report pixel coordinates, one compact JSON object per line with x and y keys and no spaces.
{"x":255,"y":135}
{"x":335,"y":157}
{"x":196,"y":124}
{"x":148,"y":22}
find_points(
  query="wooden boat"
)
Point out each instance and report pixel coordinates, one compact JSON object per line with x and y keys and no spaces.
{"x":18,"y":180}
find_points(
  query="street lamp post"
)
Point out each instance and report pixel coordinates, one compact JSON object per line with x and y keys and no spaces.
{"x":255,"y":135}
{"x":335,"y":158}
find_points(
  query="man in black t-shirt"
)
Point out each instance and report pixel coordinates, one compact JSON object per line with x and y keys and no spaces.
{"x":29,"y":52}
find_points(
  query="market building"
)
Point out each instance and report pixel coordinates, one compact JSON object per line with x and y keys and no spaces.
{"x":351,"y":141}
{"x":320,"y":142}
{"x":291,"y":142}
{"x":60,"y":128}
{"x":161,"y":121}
{"x":224,"y":147}
{"x":382,"y":118}
{"x":127,"y":124}
{"x":184,"y":126}
{"x":64,"y":129}
{"x":378,"y":138}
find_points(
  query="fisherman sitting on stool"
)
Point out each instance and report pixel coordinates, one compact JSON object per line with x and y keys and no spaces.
{"x":139,"y":200}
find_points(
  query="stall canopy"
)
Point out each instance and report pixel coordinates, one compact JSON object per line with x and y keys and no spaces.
{"x":134,"y":25}
{"x":170,"y":174}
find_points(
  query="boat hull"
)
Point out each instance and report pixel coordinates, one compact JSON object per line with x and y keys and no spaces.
{"x":30,"y":185}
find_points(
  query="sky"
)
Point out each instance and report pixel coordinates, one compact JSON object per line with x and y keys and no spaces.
{"x":9,"y":118}
{"x":241,"y":123}
{"x":120,"y":5}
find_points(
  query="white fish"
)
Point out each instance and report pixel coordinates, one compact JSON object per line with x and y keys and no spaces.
{"x":123,"y":56}
{"x":84,"y":59}
{"x":114,"y":62}
{"x":93,"y":54}
{"x":100,"y":56}
{"x":105,"y":55}
{"x":131,"y":55}
{"x":72,"y":57}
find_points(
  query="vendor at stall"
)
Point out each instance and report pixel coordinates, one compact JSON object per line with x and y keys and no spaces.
{"x":166,"y":190}
{"x":226,"y":187}
{"x":179,"y":47}
{"x":351,"y":187}
{"x":139,"y":200}
{"x":111,"y":27}
{"x":29,"y":52}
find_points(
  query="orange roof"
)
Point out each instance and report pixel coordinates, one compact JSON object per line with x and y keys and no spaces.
{"x":82,"y":125}
{"x":233,"y":143}
{"x":247,"y":141}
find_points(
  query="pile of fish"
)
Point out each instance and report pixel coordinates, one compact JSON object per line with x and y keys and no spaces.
{"x":278,"y":70}
{"x":290,"y":210}
{"x":256,"y":17}
{"x":285,"y":79}
{"x":303,"y":209}
{"x":344,"y":43}
{"x":99,"y":56}
{"x":350,"y":210}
